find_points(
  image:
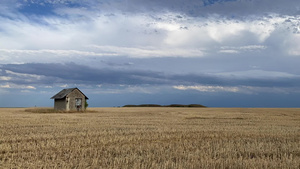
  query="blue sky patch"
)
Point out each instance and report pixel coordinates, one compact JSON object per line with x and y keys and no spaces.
{"x":37,"y":9}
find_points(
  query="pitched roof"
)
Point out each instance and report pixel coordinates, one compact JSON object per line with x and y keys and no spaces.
{"x":63,"y":93}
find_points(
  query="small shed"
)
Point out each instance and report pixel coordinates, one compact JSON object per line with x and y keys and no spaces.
{"x":69,"y":99}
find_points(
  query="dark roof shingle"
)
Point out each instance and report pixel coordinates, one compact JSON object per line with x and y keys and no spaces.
{"x":63,"y":93}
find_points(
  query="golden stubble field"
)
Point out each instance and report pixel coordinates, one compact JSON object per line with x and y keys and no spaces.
{"x":151,"y":138}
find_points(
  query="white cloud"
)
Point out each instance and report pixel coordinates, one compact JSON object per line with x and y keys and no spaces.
{"x":16,"y":56}
{"x":253,"y":47}
{"x":29,"y":87}
{"x":208,"y":88}
{"x":16,"y":86}
{"x":222,"y":32}
{"x":24,"y":75}
{"x":257,"y":74}
{"x":293,"y":45}
{"x":241,"y":49}
{"x":239,"y":89}
{"x":52,"y":52}
{"x":5,"y":78}
{"x":146,"y":52}
{"x":64,"y":86}
{"x":17,"y":80}
{"x":5,"y":86}
{"x":137,"y":35}
{"x":228,"y":51}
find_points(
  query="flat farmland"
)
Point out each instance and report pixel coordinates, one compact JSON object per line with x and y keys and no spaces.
{"x":151,"y":138}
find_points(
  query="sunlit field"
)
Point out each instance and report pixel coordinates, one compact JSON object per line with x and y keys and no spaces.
{"x":150,"y":138}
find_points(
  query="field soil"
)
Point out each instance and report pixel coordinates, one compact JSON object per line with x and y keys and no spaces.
{"x":151,"y":138}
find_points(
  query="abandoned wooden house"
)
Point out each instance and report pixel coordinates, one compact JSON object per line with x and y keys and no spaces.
{"x":69,"y":99}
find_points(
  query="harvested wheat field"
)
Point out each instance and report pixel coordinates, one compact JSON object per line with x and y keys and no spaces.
{"x":150,"y":138}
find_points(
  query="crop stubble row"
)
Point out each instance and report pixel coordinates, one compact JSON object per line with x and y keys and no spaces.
{"x":151,"y":138}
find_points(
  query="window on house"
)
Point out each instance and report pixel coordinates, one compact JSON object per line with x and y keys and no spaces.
{"x":78,"y":102}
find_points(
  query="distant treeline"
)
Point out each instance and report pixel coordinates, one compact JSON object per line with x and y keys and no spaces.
{"x":171,"y":105}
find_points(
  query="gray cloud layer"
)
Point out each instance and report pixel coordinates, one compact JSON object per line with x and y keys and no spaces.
{"x":49,"y":74}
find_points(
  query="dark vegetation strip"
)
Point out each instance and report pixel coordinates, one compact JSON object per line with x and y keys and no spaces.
{"x":171,"y":105}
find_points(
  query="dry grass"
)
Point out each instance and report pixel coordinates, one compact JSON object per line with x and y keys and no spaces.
{"x":151,"y":138}
{"x":51,"y":110}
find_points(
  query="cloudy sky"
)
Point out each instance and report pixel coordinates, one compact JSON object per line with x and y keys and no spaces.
{"x":219,"y":53}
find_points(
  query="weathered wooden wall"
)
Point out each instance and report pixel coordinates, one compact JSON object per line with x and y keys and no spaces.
{"x":72,"y":96}
{"x":60,"y":104}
